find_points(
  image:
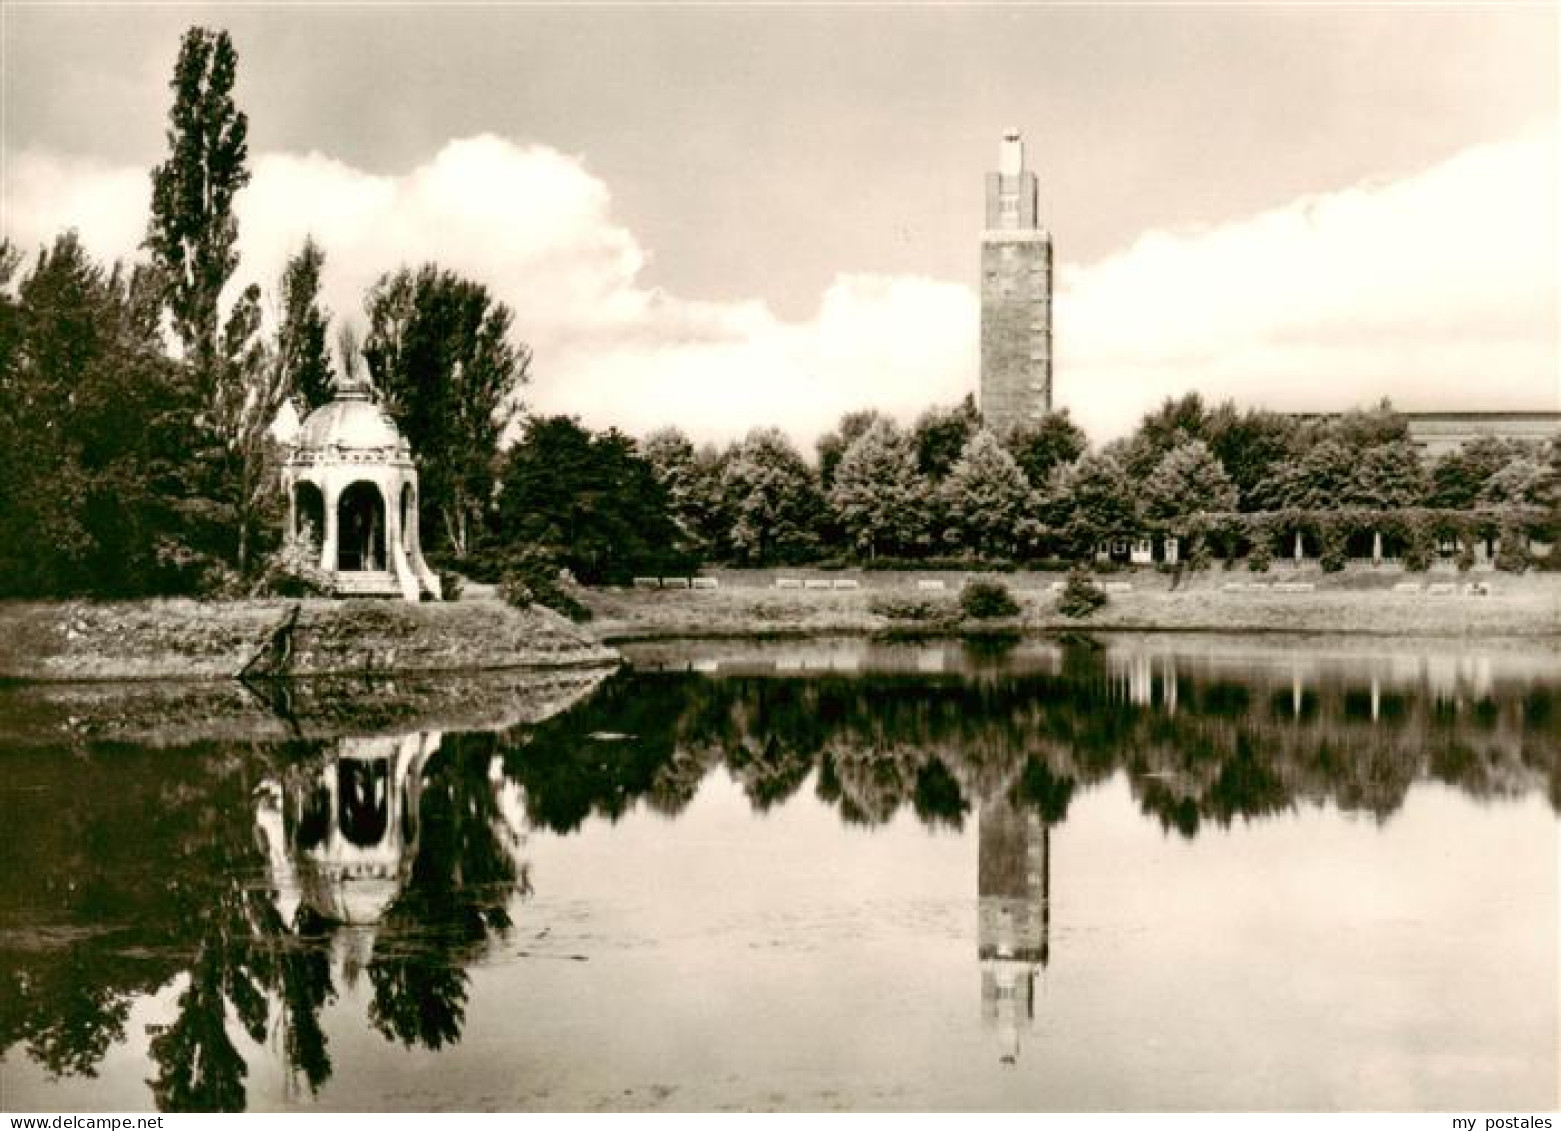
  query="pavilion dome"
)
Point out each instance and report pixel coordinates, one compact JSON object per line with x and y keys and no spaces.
{"x":351,"y":422}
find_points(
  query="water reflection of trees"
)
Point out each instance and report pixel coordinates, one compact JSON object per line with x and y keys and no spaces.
{"x":248,"y":883}
{"x":1195,"y":749}
{"x":206,"y":875}
{"x":455,"y":900}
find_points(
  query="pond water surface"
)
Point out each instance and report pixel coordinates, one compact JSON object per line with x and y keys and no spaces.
{"x":1159,"y":873}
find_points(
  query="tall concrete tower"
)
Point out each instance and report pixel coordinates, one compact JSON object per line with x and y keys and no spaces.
{"x":1016,"y":296}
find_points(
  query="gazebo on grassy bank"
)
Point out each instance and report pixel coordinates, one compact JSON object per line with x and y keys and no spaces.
{"x":352,"y":491}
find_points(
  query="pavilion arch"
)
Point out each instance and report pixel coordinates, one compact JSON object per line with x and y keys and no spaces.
{"x":308,"y":513}
{"x":360,"y":522}
{"x":363,"y":800}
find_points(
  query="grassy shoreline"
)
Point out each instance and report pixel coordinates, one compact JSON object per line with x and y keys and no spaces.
{"x":179,"y":639}
{"x":169,"y":713}
{"x":78,"y":641}
{"x":1519,"y":607}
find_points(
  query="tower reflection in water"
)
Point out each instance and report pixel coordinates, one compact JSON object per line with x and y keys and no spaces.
{"x":1014,"y":916}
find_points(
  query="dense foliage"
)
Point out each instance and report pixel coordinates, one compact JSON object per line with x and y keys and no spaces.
{"x":1343,"y":487}
{"x":94,"y":493}
{"x":591,"y":502}
{"x":440,"y":350}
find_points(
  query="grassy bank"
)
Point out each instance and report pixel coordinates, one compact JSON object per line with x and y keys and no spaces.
{"x":1526,"y":606}
{"x":182,"y":712}
{"x":183,"y":639}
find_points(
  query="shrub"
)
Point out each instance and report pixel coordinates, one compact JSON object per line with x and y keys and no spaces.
{"x":1332,"y":543}
{"x":293,"y":571}
{"x":1419,"y":547}
{"x":534,"y":577}
{"x":1512,"y":553}
{"x":1200,"y":556}
{"x":1261,"y":555}
{"x":514,"y":590}
{"x":983,"y":599}
{"x":909,"y":607}
{"x":1080,"y":596}
{"x":450,"y":584}
{"x":1416,"y":556}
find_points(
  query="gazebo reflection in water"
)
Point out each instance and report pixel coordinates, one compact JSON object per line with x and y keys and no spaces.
{"x":342,"y":836}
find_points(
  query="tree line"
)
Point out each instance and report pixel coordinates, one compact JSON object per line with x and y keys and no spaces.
{"x":141,"y":401}
{"x":1228,"y":483}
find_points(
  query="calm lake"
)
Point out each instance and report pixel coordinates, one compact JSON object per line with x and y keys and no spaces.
{"x":1144,"y":873}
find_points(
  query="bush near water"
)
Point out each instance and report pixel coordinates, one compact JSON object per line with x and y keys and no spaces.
{"x":983,"y":600}
{"x":1080,"y":596}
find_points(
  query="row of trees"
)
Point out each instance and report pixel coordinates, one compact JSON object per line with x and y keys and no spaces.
{"x":1231,"y":483}
{"x":141,"y":400}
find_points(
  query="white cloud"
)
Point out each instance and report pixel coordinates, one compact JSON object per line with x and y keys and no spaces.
{"x":45,"y":194}
{"x":537,"y":228}
{"x":1438,"y":290}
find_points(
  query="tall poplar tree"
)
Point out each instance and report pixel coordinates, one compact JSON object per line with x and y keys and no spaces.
{"x":193,"y":233}
{"x":193,"y":236}
{"x":301,"y":350}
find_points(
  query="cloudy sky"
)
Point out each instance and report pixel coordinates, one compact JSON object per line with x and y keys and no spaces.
{"x":722,"y":216}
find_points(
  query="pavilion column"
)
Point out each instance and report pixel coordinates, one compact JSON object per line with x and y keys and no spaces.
{"x":292,"y":506}
{"x":1298,"y":547}
{"x":392,"y":524}
{"x":328,"y":551}
{"x":1376,"y":547}
{"x":389,"y":491}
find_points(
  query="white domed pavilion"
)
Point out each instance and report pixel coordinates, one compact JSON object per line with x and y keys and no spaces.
{"x":352,"y":491}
